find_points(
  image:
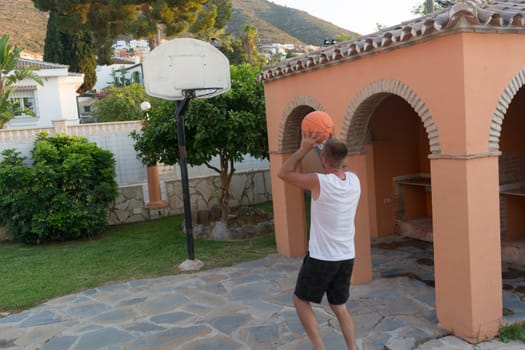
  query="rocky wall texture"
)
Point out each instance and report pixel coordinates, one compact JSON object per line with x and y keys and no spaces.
{"x":247,"y":188}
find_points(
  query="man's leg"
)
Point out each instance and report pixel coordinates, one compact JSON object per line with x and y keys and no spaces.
{"x":309,"y":322}
{"x":347,"y":325}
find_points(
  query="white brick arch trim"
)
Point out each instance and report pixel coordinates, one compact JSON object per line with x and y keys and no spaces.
{"x":357,"y":116}
{"x":290,"y":127}
{"x":515,"y":84}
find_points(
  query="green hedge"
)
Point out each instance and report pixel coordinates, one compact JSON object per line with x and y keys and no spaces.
{"x":63,"y":195}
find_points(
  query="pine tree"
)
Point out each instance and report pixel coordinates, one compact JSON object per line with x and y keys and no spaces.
{"x":53,"y":48}
{"x":75,"y":49}
{"x":81,"y":31}
{"x":84,"y":59}
{"x":139,"y":18}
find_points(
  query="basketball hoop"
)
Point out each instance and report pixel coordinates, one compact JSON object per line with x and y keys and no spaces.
{"x":177,"y":67}
{"x":182,"y":69}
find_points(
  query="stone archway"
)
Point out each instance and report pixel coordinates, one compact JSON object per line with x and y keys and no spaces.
{"x":290,"y":126}
{"x":506,"y":142}
{"x":289,"y":211}
{"x":515,"y":84}
{"x":357,"y":117}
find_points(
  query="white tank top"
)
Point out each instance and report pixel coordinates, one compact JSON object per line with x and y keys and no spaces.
{"x":332,"y":215}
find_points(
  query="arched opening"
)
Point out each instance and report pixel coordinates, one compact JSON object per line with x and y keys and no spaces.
{"x":310,"y":163}
{"x":290,"y":201}
{"x":290,"y":138}
{"x":512,"y":202}
{"x":398,"y":148}
{"x":392,"y":129}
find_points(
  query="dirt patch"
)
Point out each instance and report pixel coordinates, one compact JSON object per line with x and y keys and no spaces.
{"x":243,"y":223}
{"x":248,"y":216}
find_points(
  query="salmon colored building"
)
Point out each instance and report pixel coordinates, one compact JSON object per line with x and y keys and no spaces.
{"x":433,"y":113}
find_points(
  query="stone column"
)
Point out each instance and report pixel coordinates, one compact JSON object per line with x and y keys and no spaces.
{"x":467,"y":249}
{"x":289,"y":212}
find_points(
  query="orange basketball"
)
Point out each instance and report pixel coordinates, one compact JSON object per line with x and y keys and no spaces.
{"x":318,"y":122}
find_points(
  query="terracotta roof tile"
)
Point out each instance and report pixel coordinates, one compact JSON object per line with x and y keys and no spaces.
{"x":25,"y":87}
{"x":465,"y":15}
{"x":23,"y":62}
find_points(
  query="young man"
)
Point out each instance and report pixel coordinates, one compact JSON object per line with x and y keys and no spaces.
{"x":327,"y":266}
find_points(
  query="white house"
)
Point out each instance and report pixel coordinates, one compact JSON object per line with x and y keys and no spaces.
{"x":105,"y":78}
{"x":55,"y":99}
{"x":120,"y":44}
{"x":105,"y":72}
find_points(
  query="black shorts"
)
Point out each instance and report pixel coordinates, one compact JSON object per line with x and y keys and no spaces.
{"x":317,"y":277}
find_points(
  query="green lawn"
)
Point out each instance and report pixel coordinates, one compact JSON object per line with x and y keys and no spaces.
{"x":30,"y":275}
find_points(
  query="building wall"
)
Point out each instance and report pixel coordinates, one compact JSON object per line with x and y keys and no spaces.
{"x":104,"y":78}
{"x":55,"y":99}
{"x":460,"y":85}
{"x":67,"y":87}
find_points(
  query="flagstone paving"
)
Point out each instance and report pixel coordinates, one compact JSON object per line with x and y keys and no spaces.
{"x":249,"y":306}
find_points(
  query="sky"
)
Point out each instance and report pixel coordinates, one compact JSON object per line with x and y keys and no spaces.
{"x":359,"y":16}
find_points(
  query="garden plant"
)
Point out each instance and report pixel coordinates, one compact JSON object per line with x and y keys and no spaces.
{"x":64,"y":194}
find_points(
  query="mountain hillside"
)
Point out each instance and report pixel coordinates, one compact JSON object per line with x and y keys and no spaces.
{"x":281,"y":24}
{"x":276,"y":24}
{"x":25,"y":25}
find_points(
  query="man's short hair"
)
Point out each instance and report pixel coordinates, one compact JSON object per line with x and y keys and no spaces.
{"x":335,"y":152}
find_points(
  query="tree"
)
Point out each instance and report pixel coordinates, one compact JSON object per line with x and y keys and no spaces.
{"x":234,"y":50}
{"x":120,"y":103}
{"x":73,"y":48}
{"x":228,"y":127}
{"x":104,"y":20}
{"x":140,"y":18}
{"x":63,"y":195}
{"x":242,"y":49}
{"x":213,"y":19}
{"x":9,"y":75}
{"x":249,"y":38}
{"x":346,"y":37}
{"x":53,"y":47}
{"x":83,"y":59}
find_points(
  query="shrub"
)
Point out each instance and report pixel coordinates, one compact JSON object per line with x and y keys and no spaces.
{"x":63,"y":195}
{"x":121,"y":103}
{"x":512,"y":332}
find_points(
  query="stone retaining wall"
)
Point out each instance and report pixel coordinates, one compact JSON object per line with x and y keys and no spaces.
{"x":247,"y":188}
{"x":250,"y":185}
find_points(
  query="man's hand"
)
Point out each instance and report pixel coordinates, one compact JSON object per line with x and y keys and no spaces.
{"x":308,"y":142}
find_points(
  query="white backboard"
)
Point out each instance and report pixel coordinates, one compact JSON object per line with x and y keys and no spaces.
{"x":186,"y":64}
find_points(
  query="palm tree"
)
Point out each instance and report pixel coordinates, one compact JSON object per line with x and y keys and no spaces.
{"x":249,"y":38}
{"x":9,"y":75}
